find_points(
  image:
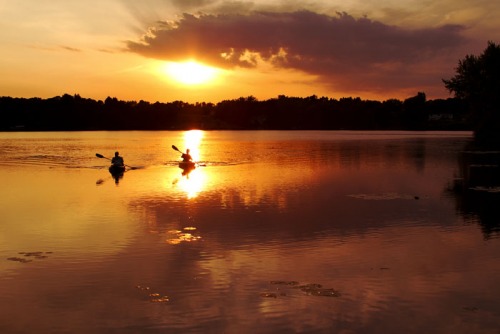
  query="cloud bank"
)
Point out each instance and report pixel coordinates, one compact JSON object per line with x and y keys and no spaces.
{"x":342,"y":51}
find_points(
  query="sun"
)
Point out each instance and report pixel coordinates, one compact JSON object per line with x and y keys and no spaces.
{"x":190,"y":72}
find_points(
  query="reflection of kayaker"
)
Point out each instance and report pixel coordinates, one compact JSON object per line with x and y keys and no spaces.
{"x":187,"y":167}
{"x":116,"y":169}
{"x":117,"y":172}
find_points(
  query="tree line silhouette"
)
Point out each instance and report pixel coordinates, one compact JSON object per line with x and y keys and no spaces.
{"x":75,"y":113}
{"x":475,"y":106}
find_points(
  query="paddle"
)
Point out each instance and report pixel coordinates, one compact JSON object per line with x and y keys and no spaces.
{"x":102,"y":156}
{"x":175,"y":148}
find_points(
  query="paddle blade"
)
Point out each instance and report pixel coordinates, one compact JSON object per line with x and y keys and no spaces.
{"x":99,"y":155}
{"x":175,"y":148}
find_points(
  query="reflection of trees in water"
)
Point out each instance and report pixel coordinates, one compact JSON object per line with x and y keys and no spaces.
{"x":482,"y":206}
{"x":409,"y":152}
{"x":477,"y":190}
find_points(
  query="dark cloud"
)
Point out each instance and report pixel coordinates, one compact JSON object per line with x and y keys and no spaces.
{"x":341,"y":50}
{"x":69,"y":48}
{"x":191,"y":3}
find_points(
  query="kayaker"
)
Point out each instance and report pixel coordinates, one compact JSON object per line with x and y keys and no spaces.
{"x":117,"y":160}
{"x":186,"y":157}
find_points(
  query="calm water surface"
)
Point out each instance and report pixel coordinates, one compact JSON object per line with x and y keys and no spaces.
{"x":274,"y":232}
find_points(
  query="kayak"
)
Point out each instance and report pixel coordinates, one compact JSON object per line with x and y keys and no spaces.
{"x":187,"y":165}
{"x":117,"y":169}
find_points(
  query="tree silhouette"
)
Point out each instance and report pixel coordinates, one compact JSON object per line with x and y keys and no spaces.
{"x":478,"y":83}
{"x":72,"y":113}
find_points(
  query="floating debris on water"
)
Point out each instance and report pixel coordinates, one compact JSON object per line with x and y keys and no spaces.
{"x":163,"y":299}
{"x":19,"y":259}
{"x":157,"y":298}
{"x":285,"y":283}
{"x":36,"y":255}
{"x":180,"y":236}
{"x":310,"y":289}
{"x":383,"y":197}
{"x":154,"y":297}
{"x":317,"y":290}
{"x":486,"y":189}
{"x":309,"y":286}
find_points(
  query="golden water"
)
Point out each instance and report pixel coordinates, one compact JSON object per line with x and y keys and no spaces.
{"x":274,"y":232}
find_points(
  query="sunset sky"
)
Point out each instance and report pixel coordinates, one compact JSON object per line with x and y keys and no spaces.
{"x":158,"y":50}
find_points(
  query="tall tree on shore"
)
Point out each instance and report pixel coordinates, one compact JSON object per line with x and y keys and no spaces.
{"x":477,"y":81}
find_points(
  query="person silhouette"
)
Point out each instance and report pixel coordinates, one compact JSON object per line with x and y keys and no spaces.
{"x":186,"y":157}
{"x":117,"y":160}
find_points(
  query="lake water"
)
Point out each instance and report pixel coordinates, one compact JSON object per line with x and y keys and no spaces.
{"x":274,"y":232}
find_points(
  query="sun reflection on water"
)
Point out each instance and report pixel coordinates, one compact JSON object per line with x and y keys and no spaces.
{"x":192,"y":183}
{"x":192,"y":141}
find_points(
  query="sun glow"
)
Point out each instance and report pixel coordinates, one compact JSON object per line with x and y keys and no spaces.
{"x":190,"y":72}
